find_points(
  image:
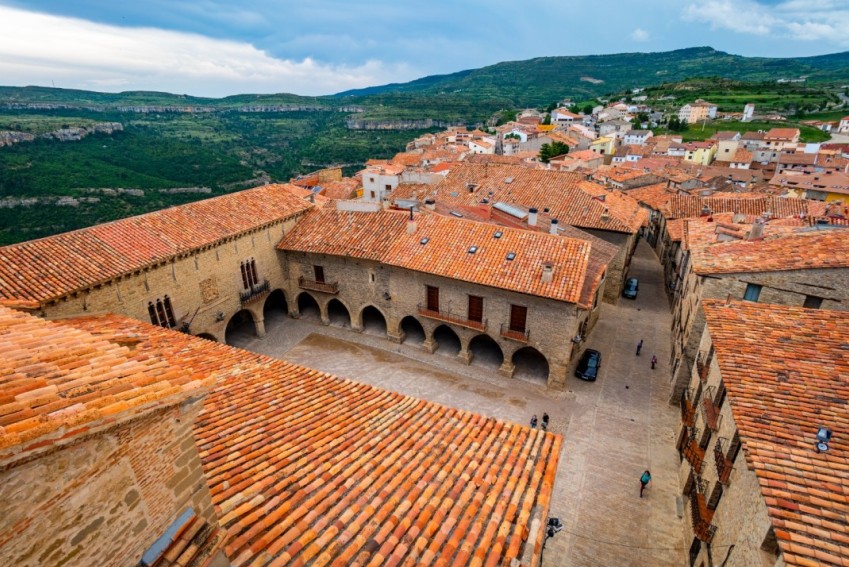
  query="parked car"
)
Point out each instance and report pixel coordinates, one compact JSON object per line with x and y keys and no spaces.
{"x":588,"y":365}
{"x":632,"y":286}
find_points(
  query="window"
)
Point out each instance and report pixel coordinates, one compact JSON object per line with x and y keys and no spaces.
{"x":371,"y":277}
{"x":388,"y":188}
{"x":713,"y":501}
{"x":319,"y":273}
{"x":812,"y":302}
{"x":161,"y":313}
{"x":518,"y":318}
{"x":432,"y":298}
{"x":705,"y":441}
{"x":476,"y":308}
{"x":249,"y":273}
{"x":753,"y":292}
{"x":719,"y":399}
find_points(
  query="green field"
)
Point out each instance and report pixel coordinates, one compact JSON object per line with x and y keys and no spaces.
{"x":698,"y":132}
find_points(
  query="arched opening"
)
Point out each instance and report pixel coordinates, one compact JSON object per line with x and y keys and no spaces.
{"x":447,"y":341}
{"x":240,"y":328}
{"x":207,"y":336}
{"x":338,"y":313}
{"x":276,"y":307}
{"x":486,"y":352}
{"x":530,"y":364}
{"x":308,"y":307}
{"x":374,"y":323}
{"x":413,"y":331}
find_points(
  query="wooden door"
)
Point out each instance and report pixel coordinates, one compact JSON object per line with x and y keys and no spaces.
{"x":476,"y":308}
{"x":319,"y":274}
{"x":432,"y":298}
{"x":518,"y":318}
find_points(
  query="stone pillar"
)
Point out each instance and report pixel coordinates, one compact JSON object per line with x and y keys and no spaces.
{"x":260,"y":327}
{"x":429,"y":345}
{"x":465,"y":356}
{"x":394,"y":337}
{"x":507,"y":368}
{"x":557,"y":374}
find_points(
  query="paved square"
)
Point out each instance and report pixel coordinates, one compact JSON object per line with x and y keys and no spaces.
{"x":613,"y":428}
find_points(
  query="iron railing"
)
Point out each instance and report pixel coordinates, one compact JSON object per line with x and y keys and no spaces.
{"x":520,"y":336}
{"x":313,"y":285}
{"x":255,"y":291}
{"x":723,"y":463}
{"x":448,"y":317}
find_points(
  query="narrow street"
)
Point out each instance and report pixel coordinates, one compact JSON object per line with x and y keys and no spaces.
{"x":613,"y":428}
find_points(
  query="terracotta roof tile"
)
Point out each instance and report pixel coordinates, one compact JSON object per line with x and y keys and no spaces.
{"x":55,"y":379}
{"x":52,"y":267}
{"x":306,"y":467}
{"x":786,"y":370}
{"x":383,"y":236}
{"x":690,"y":206}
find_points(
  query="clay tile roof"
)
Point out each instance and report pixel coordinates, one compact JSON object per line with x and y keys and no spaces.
{"x":753,"y":135}
{"x":742,"y":155}
{"x":304,"y":467}
{"x":675,"y":229}
{"x":52,"y":267}
{"x":56,"y":381}
{"x":383,"y":236}
{"x":795,"y":251}
{"x":653,"y":196}
{"x":689,"y":206}
{"x":342,"y":189}
{"x":786,"y":370}
{"x":782,"y":133}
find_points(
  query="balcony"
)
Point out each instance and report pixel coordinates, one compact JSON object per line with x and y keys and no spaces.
{"x":723,"y":463}
{"x":694,"y":454}
{"x":702,"y":368}
{"x":513,"y":335}
{"x":449,"y":317}
{"x":324,"y":287}
{"x":701,"y":516}
{"x":256,"y":292}
{"x":710,"y":411}
{"x":688,"y":410}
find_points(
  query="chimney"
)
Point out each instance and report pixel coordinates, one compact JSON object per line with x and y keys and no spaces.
{"x":411,"y":226}
{"x":532,"y":216}
{"x":547,"y":272}
{"x":553,"y":229}
{"x":605,"y":215}
{"x":757,"y":230}
{"x":430,"y":204}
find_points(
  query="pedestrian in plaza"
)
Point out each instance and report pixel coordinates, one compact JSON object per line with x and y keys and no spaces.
{"x":639,"y":347}
{"x":534,"y":422}
{"x":545,"y":422}
{"x":644,"y":480}
{"x":653,"y":361}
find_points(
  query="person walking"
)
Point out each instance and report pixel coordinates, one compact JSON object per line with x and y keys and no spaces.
{"x":653,"y":361}
{"x":639,"y":347}
{"x":644,"y":480}
{"x":534,"y":422}
{"x":545,"y":422}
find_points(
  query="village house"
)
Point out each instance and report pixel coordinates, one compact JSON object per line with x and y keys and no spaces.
{"x":582,"y":159}
{"x":637,"y":137}
{"x":843,"y":126}
{"x":762,"y":442}
{"x":379,"y":180}
{"x":697,"y":111}
{"x":614,"y":128}
{"x":790,"y":266}
{"x":827,"y":186}
{"x":565,"y":117}
{"x":742,"y":159}
{"x":701,"y":153}
{"x":139,"y":445}
{"x":727,"y":143}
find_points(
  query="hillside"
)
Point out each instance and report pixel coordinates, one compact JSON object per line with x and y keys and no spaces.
{"x":539,"y":81}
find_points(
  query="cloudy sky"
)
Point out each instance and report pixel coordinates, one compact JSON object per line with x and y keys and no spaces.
{"x":313,"y":47}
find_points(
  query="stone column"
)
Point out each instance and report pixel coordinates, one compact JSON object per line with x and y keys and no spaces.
{"x":429,"y":345}
{"x":260,"y":327}
{"x":557,"y":374}
{"x":507,"y":368}
{"x":465,"y":355}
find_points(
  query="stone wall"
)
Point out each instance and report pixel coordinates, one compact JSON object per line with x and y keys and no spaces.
{"x":204,"y":287}
{"x":617,"y":270}
{"x":105,"y":498}
{"x":398,"y":293}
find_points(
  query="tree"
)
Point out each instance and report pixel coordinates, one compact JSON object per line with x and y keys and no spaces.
{"x":546,"y":120}
{"x":588,"y":109}
{"x":554,"y":149}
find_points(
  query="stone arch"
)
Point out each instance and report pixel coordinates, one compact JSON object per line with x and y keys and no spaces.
{"x":373,"y":320}
{"x":308,"y":307}
{"x":485,"y":351}
{"x":207,"y":336}
{"x":241,"y":326}
{"x":447,"y":341}
{"x":412,"y":330}
{"x":276,"y":306}
{"x":530,"y":364}
{"x":338,"y":313}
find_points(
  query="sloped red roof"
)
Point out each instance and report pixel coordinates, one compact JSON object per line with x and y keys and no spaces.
{"x":52,"y":267}
{"x":688,"y":206}
{"x":306,"y":467}
{"x":786,"y":370}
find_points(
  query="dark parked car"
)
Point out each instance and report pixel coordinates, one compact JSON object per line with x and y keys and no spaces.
{"x":632,"y":286}
{"x":588,"y":365}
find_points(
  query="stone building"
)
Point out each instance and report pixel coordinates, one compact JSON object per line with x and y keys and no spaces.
{"x":193,"y":267}
{"x":124,"y":443}
{"x":805,"y":267}
{"x":758,"y":488}
{"x":539,"y":200}
{"x":514,"y":297}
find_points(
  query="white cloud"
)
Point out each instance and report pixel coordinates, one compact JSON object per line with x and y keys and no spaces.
{"x":806,"y":20}
{"x":640,"y":34}
{"x":37,"y":49}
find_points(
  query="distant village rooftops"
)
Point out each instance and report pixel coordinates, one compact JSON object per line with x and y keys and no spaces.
{"x":50,"y":268}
